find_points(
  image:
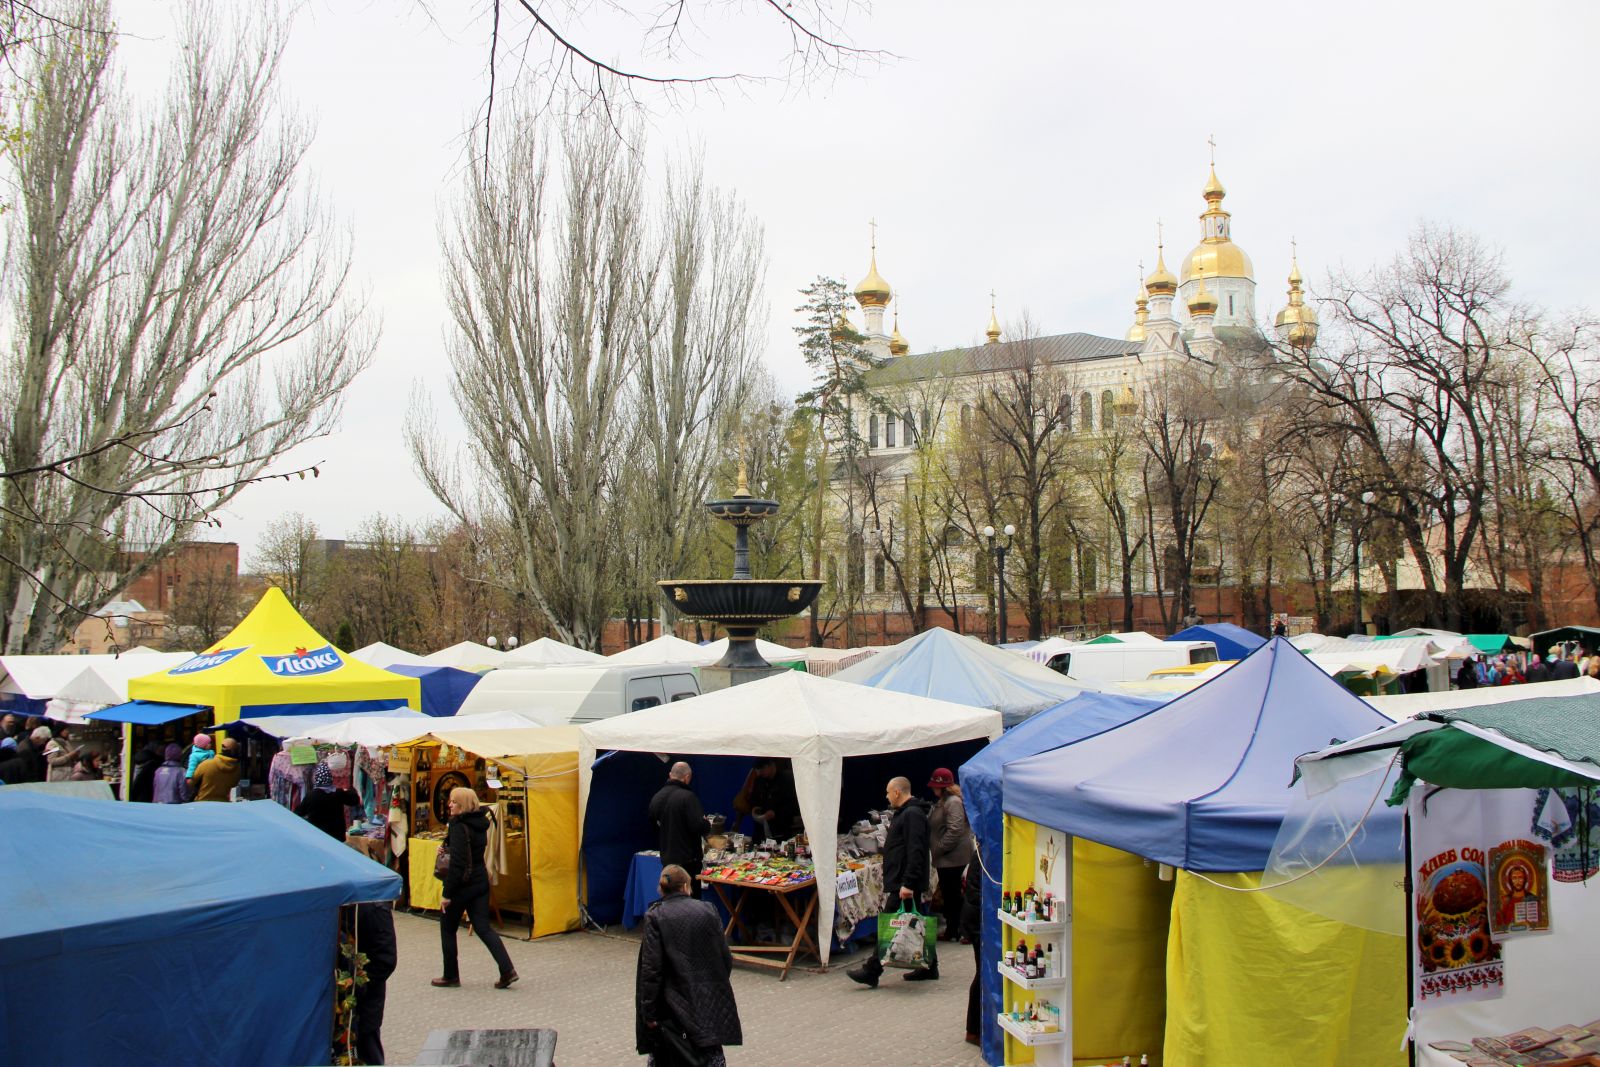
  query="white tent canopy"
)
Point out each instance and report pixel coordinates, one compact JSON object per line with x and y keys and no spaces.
{"x":105,"y":682}
{"x":465,"y":655}
{"x":42,"y":677}
{"x":381,"y":655}
{"x":814,"y":722}
{"x":668,"y":648}
{"x":311,"y":726}
{"x":1409,"y":705}
{"x":547,"y":650}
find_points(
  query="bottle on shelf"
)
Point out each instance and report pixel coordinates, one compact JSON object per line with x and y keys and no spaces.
{"x":1144,"y":1059}
{"x":1022,"y":953}
{"x":1050,"y":960}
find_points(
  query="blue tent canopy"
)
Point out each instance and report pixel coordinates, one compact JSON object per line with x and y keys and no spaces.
{"x":144,"y":712}
{"x":1083,"y":716}
{"x":443,"y":688}
{"x":181,"y":929}
{"x":1202,"y":782}
{"x":963,"y":670}
{"x":1233,"y":642}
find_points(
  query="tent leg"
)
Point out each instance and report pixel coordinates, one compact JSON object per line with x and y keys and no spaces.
{"x":1411,"y":937}
{"x":127,"y":761}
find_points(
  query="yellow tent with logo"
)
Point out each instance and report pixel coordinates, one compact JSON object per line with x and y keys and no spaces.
{"x":274,"y":662}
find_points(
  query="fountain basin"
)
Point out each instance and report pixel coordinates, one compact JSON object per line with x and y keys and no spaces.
{"x":742,"y":606}
{"x":742,"y":510}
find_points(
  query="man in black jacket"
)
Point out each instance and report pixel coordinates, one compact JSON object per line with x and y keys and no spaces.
{"x":905,"y":873}
{"x":680,"y":824}
{"x":683,"y":995}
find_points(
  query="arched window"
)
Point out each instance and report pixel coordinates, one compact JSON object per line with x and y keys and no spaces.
{"x":1106,"y":414}
{"x":1090,"y":567}
{"x":911,"y":428}
{"x":888,"y":431}
{"x":1064,"y":413}
{"x":927,"y":422}
{"x":880,"y":573}
{"x":1086,"y":412}
{"x":966,"y":416}
{"x":872,"y":432}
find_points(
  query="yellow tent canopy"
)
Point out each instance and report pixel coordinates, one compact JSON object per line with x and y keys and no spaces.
{"x":272,"y":659}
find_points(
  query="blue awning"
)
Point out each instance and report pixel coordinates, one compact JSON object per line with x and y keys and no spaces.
{"x":145,"y":712}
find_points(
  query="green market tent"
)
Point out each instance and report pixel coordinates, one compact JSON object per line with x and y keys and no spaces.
{"x":1588,"y":636}
{"x":1492,"y":644}
{"x":1522,"y":744}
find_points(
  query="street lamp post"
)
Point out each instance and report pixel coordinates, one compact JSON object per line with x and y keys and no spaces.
{"x":1000,"y":548}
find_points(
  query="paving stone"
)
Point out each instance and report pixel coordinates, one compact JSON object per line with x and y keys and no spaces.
{"x":581,"y":984}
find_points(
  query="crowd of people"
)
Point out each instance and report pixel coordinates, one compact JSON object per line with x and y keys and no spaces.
{"x":1562,"y":662}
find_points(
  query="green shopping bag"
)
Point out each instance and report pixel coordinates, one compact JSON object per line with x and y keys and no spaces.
{"x":907,"y":939}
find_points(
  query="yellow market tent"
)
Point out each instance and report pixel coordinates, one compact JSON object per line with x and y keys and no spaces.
{"x":275,"y":660}
{"x":547,"y":759}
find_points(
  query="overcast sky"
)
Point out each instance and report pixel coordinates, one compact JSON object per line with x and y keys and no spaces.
{"x":1027,"y":148}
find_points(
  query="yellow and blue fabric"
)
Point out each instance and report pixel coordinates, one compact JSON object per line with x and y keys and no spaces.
{"x":276,"y":663}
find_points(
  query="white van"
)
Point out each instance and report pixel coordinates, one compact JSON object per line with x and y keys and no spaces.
{"x":1129,"y":662}
{"x":582,"y":693}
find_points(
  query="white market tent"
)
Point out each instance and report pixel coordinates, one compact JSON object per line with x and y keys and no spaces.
{"x":382,"y":655}
{"x":948,"y":666}
{"x":813,"y":722}
{"x":105,"y":682}
{"x":668,"y":648}
{"x":313,"y":726}
{"x":1409,"y":705}
{"x":465,"y":655}
{"x":547,"y":650}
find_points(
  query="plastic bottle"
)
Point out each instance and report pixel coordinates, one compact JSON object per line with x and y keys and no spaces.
{"x":1022,"y":953}
{"x":1005,"y":901}
{"x":1050,"y":960}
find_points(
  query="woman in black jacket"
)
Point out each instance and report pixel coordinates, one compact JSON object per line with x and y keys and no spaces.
{"x":683,"y":998}
{"x":466,"y":888}
{"x":324,"y":807}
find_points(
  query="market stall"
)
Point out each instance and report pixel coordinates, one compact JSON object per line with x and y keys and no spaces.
{"x":815,"y":723}
{"x":1502,"y":849}
{"x":275,"y":663}
{"x":173,"y":938}
{"x":1200,"y":786}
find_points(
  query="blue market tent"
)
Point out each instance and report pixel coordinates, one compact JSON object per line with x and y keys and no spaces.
{"x":443,"y":688}
{"x":1083,"y":716}
{"x":1202,"y":782}
{"x":181,"y":931}
{"x":963,"y":670}
{"x":1233,"y":642}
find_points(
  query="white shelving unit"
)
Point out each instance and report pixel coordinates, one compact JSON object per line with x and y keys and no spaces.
{"x":1031,"y":1038}
{"x":1021,"y":982}
{"x":1031,"y":927}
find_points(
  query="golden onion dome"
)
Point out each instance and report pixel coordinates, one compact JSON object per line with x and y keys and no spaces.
{"x":873,"y":291}
{"x":1202,"y":302}
{"x":1297,"y":323}
{"x":993,"y":332}
{"x":898,"y":345}
{"x":1216,"y":255}
{"x":1213,"y":192}
{"x":843,"y":328}
{"x":1141,"y":315}
{"x":1127,"y":401}
{"x":1161,"y":282}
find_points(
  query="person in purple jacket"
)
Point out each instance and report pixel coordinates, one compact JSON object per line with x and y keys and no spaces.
{"x":169,"y":786}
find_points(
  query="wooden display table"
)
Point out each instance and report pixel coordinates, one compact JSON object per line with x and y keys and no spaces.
{"x":753,"y":951}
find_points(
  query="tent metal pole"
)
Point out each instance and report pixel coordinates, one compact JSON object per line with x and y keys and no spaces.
{"x":1411,"y":938}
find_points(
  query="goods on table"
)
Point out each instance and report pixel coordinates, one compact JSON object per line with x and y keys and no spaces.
{"x":1533,"y":1045}
{"x":758,"y":870}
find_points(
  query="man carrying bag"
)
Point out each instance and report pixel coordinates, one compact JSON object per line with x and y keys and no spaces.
{"x":905,"y":881}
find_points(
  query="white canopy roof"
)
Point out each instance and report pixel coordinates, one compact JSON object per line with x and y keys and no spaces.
{"x":105,"y":682}
{"x":814,"y":722}
{"x":668,"y":648}
{"x":1409,"y":705}
{"x":466,"y":655}
{"x":547,"y":650}
{"x":379,"y":654}
{"x":41,"y":677}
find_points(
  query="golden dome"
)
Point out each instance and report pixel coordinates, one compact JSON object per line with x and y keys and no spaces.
{"x":843,"y":329}
{"x":993,"y":332}
{"x":873,"y":291}
{"x":898,"y":345}
{"x":1202,"y":302}
{"x":1141,"y":315}
{"x":1127,"y":402}
{"x":1297,"y":323}
{"x":1161,"y":282}
{"x":1216,"y":255}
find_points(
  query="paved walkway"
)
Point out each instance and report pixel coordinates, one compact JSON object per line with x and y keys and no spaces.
{"x":582,"y":985}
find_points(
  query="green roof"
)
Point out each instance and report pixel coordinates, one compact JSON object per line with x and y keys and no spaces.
{"x":1105,"y":639}
{"x":1493,"y":644}
{"x":1568,"y":727}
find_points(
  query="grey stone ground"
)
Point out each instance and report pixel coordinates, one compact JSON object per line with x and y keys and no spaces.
{"x":582,"y":985}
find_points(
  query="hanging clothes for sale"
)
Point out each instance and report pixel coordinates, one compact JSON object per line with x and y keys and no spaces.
{"x":494,"y":850}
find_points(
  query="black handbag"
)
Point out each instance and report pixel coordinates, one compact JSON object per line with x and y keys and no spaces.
{"x":676,"y":1049}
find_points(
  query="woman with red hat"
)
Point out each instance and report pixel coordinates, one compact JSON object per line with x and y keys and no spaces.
{"x":951,"y":843}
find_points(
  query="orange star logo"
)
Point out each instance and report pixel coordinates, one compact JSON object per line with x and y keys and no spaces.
{"x":300,"y":651}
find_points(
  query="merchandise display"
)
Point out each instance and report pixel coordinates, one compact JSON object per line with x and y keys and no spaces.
{"x":1561,"y":1044}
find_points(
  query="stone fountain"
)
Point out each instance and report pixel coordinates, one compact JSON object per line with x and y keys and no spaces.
{"x":741,"y":604}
